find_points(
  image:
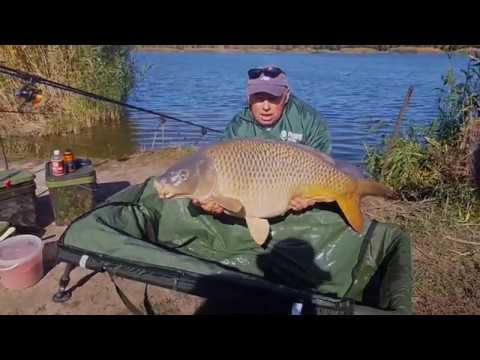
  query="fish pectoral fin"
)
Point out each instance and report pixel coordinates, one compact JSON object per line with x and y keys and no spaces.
{"x":350,"y":206}
{"x":259,"y":229}
{"x":230,"y":204}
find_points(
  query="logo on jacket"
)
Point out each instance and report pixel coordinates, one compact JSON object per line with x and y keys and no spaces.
{"x":290,"y":136}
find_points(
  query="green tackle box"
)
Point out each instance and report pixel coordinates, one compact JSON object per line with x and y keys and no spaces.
{"x":72,"y":194}
{"x":17,"y":198}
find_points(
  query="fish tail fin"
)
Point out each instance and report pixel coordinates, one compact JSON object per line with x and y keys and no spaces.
{"x":350,"y":202}
{"x":373,"y":188}
{"x":350,"y":206}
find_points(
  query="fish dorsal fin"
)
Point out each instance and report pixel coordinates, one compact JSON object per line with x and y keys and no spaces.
{"x":232,"y":205}
{"x":325,"y":157}
{"x":344,"y":166}
{"x":259,"y":229}
{"x":349,"y":169}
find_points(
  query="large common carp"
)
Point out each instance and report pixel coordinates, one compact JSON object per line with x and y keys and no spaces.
{"x":256,"y":180}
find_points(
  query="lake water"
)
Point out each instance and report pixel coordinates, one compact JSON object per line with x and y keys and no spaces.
{"x":358,"y":95}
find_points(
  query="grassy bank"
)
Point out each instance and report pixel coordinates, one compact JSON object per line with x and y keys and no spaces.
{"x":349,"y":49}
{"x":436,"y":171}
{"x":441,"y":160}
{"x":221,"y":48}
{"x":102,"y":69}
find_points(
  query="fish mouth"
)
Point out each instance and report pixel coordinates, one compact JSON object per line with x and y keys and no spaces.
{"x":162,"y":190}
{"x":166,"y":195}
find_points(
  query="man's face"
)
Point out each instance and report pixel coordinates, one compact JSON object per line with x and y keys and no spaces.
{"x":266,"y":108}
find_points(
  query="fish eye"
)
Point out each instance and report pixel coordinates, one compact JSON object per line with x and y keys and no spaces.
{"x":183,"y":174}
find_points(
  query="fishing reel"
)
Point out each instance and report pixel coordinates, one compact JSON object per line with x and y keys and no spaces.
{"x":31,"y":94}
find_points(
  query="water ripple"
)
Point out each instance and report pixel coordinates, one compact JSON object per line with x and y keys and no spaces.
{"x":358,"y":95}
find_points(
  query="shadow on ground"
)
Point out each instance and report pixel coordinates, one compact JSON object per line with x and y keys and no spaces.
{"x":300,"y":272}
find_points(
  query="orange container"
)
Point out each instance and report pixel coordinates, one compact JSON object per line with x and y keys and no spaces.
{"x":69,"y":161}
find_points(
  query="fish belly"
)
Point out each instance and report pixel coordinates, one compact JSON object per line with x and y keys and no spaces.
{"x":265,"y":204}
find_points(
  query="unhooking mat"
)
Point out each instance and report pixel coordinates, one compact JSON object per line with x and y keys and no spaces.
{"x":316,"y":250}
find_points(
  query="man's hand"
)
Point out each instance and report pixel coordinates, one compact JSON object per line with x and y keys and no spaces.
{"x":298,"y":204}
{"x":210,"y":207}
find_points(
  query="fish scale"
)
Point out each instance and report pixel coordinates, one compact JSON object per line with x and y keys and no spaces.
{"x":247,"y":167}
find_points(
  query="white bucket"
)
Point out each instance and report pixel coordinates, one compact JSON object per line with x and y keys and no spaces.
{"x":21,"y":261}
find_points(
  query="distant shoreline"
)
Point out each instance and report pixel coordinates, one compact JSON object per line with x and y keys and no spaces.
{"x":355,"y":50}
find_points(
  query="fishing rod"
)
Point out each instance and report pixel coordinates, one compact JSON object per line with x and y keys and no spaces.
{"x":37,"y":79}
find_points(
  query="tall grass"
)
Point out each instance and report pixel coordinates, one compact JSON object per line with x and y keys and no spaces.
{"x":102,"y":69}
{"x":441,"y":162}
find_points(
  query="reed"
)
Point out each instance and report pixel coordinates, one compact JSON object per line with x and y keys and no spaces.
{"x":106,"y":70}
{"x":440,"y":162}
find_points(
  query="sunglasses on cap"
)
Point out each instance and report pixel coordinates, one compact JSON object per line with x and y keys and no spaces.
{"x":271,"y":72}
